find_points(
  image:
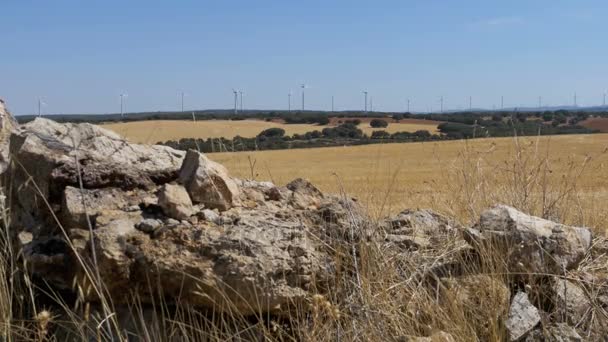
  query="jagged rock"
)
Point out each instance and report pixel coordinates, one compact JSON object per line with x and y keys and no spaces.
{"x":208,"y":182}
{"x":148,"y":225}
{"x":481,"y":297}
{"x":175,"y":201}
{"x":8,"y":124}
{"x":420,"y":229}
{"x":95,"y":201}
{"x":523,"y":317}
{"x":571,"y":302}
{"x":559,"y":332}
{"x":211,"y":216}
{"x":304,"y":195}
{"x":47,"y":157}
{"x":530,"y":244}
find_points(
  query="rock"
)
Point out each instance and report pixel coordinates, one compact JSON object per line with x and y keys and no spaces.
{"x":530,"y":244}
{"x":482,"y":298}
{"x":523,"y":317}
{"x":175,"y":201}
{"x":8,"y":124}
{"x":559,"y":332}
{"x":52,"y":155}
{"x":208,"y":182}
{"x":148,"y":225}
{"x":304,"y":195}
{"x":571,"y":302}
{"x":78,"y":204}
{"x":211,"y":216}
{"x":420,"y":229}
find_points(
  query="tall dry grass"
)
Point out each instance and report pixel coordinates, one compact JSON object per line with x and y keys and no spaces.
{"x":377,"y":293}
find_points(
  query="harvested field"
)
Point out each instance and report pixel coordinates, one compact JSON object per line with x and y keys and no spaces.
{"x":390,"y":177}
{"x":152,"y":131}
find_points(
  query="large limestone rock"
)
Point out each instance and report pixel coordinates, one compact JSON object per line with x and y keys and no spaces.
{"x":132,"y":220}
{"x":48,"y":157}
{"x":530,"y":244}
{"x":208,"y":182}
{"x":523,"y":317}
{"x":570,"y":301}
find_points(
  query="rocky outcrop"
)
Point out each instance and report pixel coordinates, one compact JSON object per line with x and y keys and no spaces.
{"x":258,"y":251}
{"x":530,"y":244}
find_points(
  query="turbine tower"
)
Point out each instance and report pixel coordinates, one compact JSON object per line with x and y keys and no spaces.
{"x":502,"y":102}
{"x":332,"y":103}
{"x":470,"y":103}
{"x":289,"y":101}
{"x":40,"y":104}
{"x":540,"y":102}
{"x":371,"y":104}
{"x":365,"y":108}
{"x":575,"y":105}
{"x":604,"y":102}
{"x":303,"y":86}
{"x":236,"y":97}
{"x":408,"y":105}
{"x":441,"y":101}
{"x":122,"y":96}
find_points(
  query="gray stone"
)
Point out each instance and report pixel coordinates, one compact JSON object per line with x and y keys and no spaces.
{"x":175,"y":201}
{"x":148,"y":225}
{"x":208,"y":182}
{"x":530,"y":244}
{"x":523,"y":317}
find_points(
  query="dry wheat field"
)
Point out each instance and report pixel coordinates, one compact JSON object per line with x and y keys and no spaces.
{"x":387,"y":178}
{"x":153,"y":131}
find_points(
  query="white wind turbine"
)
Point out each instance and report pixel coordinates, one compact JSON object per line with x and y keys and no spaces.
{"x":40,"y":104}
{"x":122,"y":98}
{"x":236,"y":97}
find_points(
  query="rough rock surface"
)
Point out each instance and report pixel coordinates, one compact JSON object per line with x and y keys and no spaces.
{"x":571,"y":301}
{"x":530,"y":244}
{"x":559,"y":332}
{"x":175,"y":201}
{"x":8,"y":124}
{"x":208,"y":182}
{"x":263,"y":252}
{"x":523,"y":317}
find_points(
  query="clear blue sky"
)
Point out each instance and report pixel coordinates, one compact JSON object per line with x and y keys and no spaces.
{"x":80,"y":55}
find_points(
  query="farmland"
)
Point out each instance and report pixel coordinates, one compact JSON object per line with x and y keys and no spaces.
{"x":387,"y":178}
{"x":152,"y":131}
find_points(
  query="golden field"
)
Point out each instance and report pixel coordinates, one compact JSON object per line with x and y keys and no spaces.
{"x":450,"y":176}
{"x":153,"y":131}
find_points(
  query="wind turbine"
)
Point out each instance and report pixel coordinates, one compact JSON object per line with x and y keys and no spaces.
{"x":575,"y":105}
{"x":604,"y":102}
{"x":236,"y":96}
{"x":303,"y":86}
{"x":470,"y":103}
{"x":289,"y":101}
{"x":371,"y":104}
{"x":183,"y":94}
{"x":332,"y":103}
{"x":40,"y":104}
{"x":540,"y":102}
{"x":122,"y":97}
{"x":408,"y":105}
{"x":441,"y":101}
{"x":365,"y":93}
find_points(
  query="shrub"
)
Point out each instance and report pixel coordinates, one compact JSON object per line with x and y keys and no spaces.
{"x":378,"y":123}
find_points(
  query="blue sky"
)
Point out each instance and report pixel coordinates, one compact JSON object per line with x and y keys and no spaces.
{"x":80,"y":55}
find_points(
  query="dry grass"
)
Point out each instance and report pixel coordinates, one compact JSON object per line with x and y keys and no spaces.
{"x":154,"y":131}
